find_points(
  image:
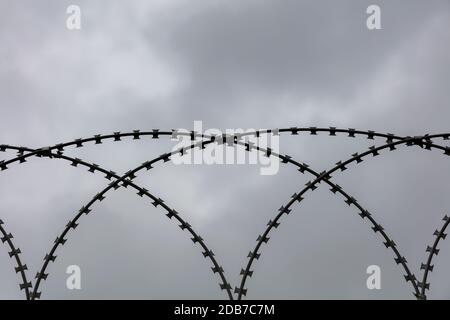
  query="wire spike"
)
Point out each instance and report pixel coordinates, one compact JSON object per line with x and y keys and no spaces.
{"x":284,"y":210}
{"x":155,"y":134}
{"x":273,"y":224}
{"x":61,"y":241}
{"x":389,"y":244}
{"x":341,"y":166}
{"x":50,"y":257}
{"x":350,"y":201}
{"x":147,"y":165}
{"x":98,"y":139}
{"x":335,"y":188}
{"x":242,"y":292}
{"x":100,"y":197}
{"x":390,"y":138}
{"x":332,"y":131}
{"x":423,"y":285}
{"x":84,"y":210}
{"x":21,"y":268}
{"x":297,"y":197}
{"x":364,"y":214}
{"x":224,"y":286}
{"x":253,"y":255}
{"x":400,"y":260}
{"x":357,"y":157}
{"x":184,"y":225}
{"x":110,"y":174}
{"x":93,"y":167}
{"x":7,"y":237}
{"x":130,"y":174}
{"x":196,"y":239}
{"x":285,"y":158}
{"x":3,"y":166}
{"x":157,"y":202}
{"x":171,"y":213}
{"x":217,"y":269}
{"x":116,"y":136}
{"x":246,"y":273}
{"x":14,"y":252}
{"x":311,"y":185}
{"x":411,"y":278}
{"x":374,"y":151}
{"x":263,"y":239}
{"x":209,"y":253}
{"x":41,"y":275}
{"x":36,"y":295}
{"x":377,"y":228}
{"x":75,"y":162}
{"x":25,"y":285}
{"x":434,"y":251}
{"x":72,"y":225}
{"x":424,"y":266}
{"x":351,"y":133}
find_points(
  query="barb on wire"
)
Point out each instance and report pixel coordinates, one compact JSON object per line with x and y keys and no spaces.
{"x":126,"y":180}
{"x":399,"y":259}
{"x":422,"y":141}
{"x":156,"y":134}
{"x":14,"y":253}
{"x":432,"y":251}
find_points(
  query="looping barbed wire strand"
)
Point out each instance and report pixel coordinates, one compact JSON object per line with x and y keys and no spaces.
{"x":155,"y":134}
{"x":284,"y":158}
{"x":423,"y":141}
{"x":126,"y":180}
{"x":432,"y":251}
{"x":99,"y":197}
{"x":15,"y":254}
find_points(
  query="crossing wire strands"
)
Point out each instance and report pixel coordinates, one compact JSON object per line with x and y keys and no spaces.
{"x":422,"y":141}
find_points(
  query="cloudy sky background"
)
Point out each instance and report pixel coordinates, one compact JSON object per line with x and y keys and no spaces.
{"x":232,"y":64}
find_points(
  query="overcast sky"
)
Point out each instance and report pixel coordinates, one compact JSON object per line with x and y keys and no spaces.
{"x":231,"y":64}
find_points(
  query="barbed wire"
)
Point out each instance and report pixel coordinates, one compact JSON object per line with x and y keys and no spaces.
{"x":423,"y":141}
{"x":92,"y":167}
{"x":99,"y":197}
{"x":15,"y":254}
{"x":432,"y":251}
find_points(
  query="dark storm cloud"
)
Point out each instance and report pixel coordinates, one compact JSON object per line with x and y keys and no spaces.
{"x":296,"y":48}
{"x":231,"y":64}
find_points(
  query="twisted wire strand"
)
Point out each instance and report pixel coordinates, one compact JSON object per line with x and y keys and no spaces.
{"x":86,"y":209}
{"x":432,"y":251}
{"x":156,"y":134}
{"x":423,"y":141}
{"x":184,"y":225}
{"x":312,"y":130}
{"x":286,"y":158}
{"x":60,"y":240}
{"x":15,"y":254}
{"x":125,"y":180}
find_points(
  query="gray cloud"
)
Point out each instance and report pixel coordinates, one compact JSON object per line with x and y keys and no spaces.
{"x":163,"y":64}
